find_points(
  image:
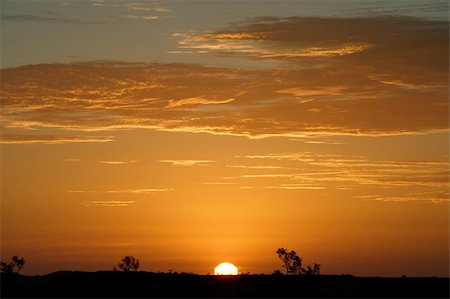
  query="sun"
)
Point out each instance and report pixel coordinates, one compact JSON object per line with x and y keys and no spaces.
{"x":226,"y":269}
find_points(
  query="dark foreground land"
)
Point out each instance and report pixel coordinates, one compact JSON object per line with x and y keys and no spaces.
{"x":144,"y":284}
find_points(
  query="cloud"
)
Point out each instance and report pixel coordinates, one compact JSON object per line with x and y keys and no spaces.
{"x":109,"y":162}
{"x":147,"y":7}
{"x":97,"y":2}
{"x":96,"y":97}
{"x":219,"y":183}
{"x":296,"y":187}
{"x":72,"y":160}
{"x":142,"y":17}
{"x":262,"y":176}
{"x":47,"y":19}
{"x":268,"y":175}
{"x":161,"y":9}
{"x":343,"y":172}
{"x":51,"y":139}
{"x":250,"y":45}
{"x":139,"y":191}
{"x":125,"y":191}
{"x":188,"y":162}
{"x":138,"y":6}
{"x":196,"y":101}
{"x":246,"y":187}
{"x":255,"y":166}
{"x":324,"y":142}
{"x":297,"y":38}
{"x":117,"y":162}
{"x":420,"y":197}
{"x":396,"y":84}
{"x":109,"y":203}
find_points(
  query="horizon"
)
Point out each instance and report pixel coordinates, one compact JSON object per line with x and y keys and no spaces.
{"x":225,"y":275}
{"x":191,"y":133}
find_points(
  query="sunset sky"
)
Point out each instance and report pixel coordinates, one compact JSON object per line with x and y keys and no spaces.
{"x":190,"y":133}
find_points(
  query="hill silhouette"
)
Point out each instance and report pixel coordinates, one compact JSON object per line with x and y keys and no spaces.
{"x":66,"y":284}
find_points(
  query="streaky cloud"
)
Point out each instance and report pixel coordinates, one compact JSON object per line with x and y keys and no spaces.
{"x":396,"y":86}
{"x":196,"y":101}
{"x":51,"y":139}
{"x":188,"y":162}
{"x":125,"y":191}
{"x":109,"y":203}
{"x":347,"y":172}
{"x":117,"y":162}
{"x":47,"y":19}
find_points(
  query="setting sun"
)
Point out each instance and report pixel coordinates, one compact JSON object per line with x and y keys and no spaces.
{"x":226,"y":269}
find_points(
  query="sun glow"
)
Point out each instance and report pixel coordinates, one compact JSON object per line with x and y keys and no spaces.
{"x":226,"y":269}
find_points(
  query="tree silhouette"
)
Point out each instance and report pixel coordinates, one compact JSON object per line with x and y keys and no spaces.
{"x":277,"y":272}
{"x":129,"y":263}
{"x":291,"y":261}
{"x":6,"y":267}
{"x":18,"y":262}
{"x":15,"y":263}
{"x":312,"y":270}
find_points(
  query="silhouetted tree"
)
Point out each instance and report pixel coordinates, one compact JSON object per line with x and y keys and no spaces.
{"x":129,"y":263}
{"x":6,"y":267}
{"x":15,"y":263}
{"x":316,"y":269}
{"x":277,"y":272}
{"x":18,"y":262}
{"x":312,"y":270}
{"x":291,"y":261}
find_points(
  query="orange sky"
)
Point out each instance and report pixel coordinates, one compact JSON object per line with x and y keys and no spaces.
{"x":326,"y":135}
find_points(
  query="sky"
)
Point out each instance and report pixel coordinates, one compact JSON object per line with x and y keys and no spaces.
{"x":190,"y":133}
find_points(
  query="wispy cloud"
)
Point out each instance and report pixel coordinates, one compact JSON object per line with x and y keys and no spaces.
{"x":50,"y":139}
{"x":140,"y":6}
{"x":262,"y":176}
{"x":313,"y":97}
{"x":142,"y":17}
{"x":32,"y":102}
{"x":140,"y":191}
{"x":97,"y":2}
{"x":323,"y":142}
{"x":117,"y":162}
{"x":47,"y":19}
{"x":161,"y":9}
{"x":109,"y":203}
{"x":148,"y":6}
{"x":188,"y":162}
{"x":255,"y":166}
{"x":426,"y":181}
{"x":251,"y":45}
{"x":196,"y":101}
{"x":295,"y":38}
{"x":219,"y":183}
{"x":72,"y":160}
{"x":420,"y":197}
{"x":268,"y":175}
{"x":296,"y":187}
{"x":126,"y":191}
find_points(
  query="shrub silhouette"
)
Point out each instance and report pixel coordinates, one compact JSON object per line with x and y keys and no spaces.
{"x":291,"y":261}
{"x":15,"y":263}
{"x":129,"y":263}
{"x":277,"y":272}
{"x":312,"y":270}
{"x":6,"y":268}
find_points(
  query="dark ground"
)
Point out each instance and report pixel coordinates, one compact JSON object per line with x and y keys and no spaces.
{"x":144,"y":284}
